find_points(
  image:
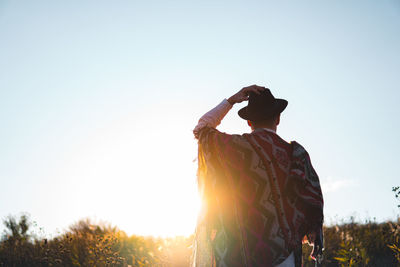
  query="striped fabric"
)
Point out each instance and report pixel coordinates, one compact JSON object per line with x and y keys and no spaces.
{"x":260,"y":195}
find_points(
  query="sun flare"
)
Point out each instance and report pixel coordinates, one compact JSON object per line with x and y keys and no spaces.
{"x":133,"y":178}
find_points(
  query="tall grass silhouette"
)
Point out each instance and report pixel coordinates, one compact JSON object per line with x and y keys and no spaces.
{"x":89,"y":244}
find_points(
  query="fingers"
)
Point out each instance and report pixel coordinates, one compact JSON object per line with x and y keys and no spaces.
{"x":257,"y":90}
{"x":243,"y":98}
{"x":253,"y":88}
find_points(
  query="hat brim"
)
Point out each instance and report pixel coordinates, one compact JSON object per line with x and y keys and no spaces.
{"x":278,"y":107}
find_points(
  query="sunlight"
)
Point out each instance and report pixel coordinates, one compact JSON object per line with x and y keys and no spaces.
{"x":136,"y":176}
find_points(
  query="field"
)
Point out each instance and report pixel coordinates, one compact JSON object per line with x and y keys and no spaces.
{"x":88,"y":244}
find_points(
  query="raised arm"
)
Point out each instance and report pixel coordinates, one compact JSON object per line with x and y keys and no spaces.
{"x":214,"y":117}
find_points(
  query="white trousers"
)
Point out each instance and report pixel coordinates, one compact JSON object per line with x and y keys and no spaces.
{"x":289,"y":262}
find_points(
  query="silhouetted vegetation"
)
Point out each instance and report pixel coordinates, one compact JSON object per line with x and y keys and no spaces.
{"x":396,"y":190}
{"x":88,"y":244}
{"x":355,"y":244}
{"x":101,"y":245}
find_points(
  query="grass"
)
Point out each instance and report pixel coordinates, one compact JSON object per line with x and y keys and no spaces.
{"x":88,"y":244}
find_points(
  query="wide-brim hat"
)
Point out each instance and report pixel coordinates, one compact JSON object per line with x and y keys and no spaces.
{"x":262,"y":106}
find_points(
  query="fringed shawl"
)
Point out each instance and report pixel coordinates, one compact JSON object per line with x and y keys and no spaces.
{"x":261,"y":197}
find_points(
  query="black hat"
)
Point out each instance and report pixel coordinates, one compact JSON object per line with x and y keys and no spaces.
{"x":262,"y":106}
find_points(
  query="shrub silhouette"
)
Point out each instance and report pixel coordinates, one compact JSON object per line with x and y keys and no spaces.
{"x":89,"y":244}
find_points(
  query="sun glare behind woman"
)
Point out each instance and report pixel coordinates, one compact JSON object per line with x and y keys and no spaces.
{"x":140,"y":179}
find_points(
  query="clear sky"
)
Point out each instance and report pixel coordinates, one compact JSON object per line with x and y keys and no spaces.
{"x":98,"y":100}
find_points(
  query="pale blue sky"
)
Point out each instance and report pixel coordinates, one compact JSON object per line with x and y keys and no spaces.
{"x":98,"y":100}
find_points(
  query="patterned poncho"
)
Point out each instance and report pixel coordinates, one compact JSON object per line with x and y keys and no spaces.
{"x":261,"y":197}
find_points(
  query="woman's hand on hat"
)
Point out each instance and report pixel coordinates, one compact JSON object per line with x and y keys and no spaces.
{"x":243,"y":94}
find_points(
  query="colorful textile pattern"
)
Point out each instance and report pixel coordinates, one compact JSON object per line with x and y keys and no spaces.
{"x":260,"y":196}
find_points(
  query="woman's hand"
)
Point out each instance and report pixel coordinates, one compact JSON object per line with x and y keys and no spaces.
{"x":243,"y":94}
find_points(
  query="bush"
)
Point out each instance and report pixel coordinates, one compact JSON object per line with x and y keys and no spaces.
{"x":88,"y":244}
